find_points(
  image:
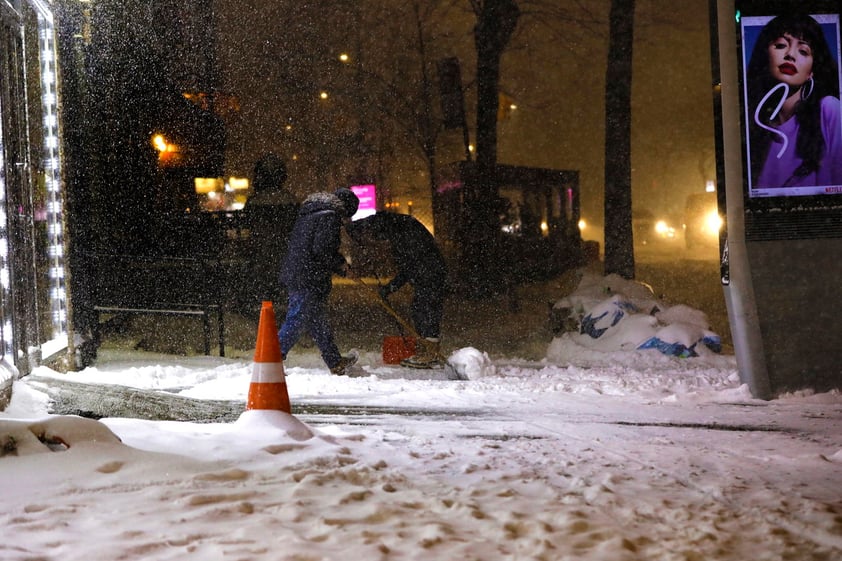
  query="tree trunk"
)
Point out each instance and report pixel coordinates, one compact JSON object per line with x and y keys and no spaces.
{"x":619,"y":236}
{"x":496,"y":21}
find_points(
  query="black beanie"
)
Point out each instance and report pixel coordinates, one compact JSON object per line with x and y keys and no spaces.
{"x":349,"y":200}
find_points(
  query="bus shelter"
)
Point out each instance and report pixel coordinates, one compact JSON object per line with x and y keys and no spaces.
{"x":538,"y":211}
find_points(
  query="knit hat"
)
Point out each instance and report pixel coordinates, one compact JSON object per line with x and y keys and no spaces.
{"x":349,"y":200}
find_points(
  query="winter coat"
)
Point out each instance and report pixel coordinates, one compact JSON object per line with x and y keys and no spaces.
{"x":414,"y":250}
{"x":313,"y":254}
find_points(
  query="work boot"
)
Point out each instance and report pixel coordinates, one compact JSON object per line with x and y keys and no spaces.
{"x":428,"y":355}
{"x":346,"y":362}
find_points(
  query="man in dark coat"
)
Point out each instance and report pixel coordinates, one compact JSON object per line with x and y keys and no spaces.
{"x":311,"y":260}
{"x":418,"y":262}
{"x":269,"y":215}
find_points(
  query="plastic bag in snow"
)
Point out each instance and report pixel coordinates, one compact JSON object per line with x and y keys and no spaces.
{"x":605,"y":315}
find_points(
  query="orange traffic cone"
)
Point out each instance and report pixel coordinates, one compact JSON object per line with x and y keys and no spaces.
{"x":268,"y":389}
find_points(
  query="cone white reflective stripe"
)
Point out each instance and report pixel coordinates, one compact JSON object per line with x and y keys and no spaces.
{"x":268,"y":373}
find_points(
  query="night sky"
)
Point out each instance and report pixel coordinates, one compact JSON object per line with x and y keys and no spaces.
{"x":556,"y":80}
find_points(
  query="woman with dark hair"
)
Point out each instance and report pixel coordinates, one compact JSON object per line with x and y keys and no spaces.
{"x":795,"y":132}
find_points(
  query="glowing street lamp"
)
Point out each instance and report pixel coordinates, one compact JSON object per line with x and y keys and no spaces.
{"x":168,"y":153}
{"x":159,"y":142}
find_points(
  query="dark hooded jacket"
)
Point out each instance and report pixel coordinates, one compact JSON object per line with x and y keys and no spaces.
{"x":414,"y":250}
{"x":313,"y":254}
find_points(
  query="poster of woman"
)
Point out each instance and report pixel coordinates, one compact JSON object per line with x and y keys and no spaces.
{"x":791,"y":65}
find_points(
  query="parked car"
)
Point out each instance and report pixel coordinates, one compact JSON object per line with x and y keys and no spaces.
{"x":701,"y":220}
{"x":649,"y":229}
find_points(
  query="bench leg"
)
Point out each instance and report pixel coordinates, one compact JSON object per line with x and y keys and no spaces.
{"x":96,"y":335}
{"x":221,"y":324}
{"x":206,"y":330}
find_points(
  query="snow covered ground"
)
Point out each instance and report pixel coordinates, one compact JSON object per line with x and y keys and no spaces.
{"x":595,"y":452}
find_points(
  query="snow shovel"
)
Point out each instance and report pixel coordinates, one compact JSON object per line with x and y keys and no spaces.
{"x":450,"y":371}
{"x":395,"y":348}
{"x":388,"y":307}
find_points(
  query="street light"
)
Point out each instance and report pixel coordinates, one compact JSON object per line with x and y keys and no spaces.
{"x":159,"y":142}
{"x":168,"y":154}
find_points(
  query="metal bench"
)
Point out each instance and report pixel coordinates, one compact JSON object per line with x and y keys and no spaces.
{"x":158,"y":285}
{"x":169,"y":309}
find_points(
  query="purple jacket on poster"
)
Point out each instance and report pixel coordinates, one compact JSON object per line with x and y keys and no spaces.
{"x":778,"y":171}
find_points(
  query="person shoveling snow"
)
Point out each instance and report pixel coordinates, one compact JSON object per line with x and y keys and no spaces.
{"x":418,"y":262}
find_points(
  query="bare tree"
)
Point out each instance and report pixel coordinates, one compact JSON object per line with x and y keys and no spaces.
{"x":386,"y":106}
{"x":387,"y":82}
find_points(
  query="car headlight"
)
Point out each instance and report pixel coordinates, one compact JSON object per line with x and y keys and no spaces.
{"x":661,"y":227}
{"x":664,"y":230}
{"x":713,"y":222}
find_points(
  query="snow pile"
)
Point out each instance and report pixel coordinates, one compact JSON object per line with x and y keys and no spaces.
{"x":471,"y":364}
{"x":614,"y":314}
{"x":24,"y":438}
{"x":531,"y":466}
{"x":277,"y":424}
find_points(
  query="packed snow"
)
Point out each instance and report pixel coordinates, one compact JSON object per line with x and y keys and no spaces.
{"x":601,"y":451}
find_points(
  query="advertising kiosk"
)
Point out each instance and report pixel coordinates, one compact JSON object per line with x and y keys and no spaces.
{"x":776,"y":70}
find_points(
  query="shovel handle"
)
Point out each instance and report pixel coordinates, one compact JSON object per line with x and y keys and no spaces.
{"x":388,"y":307}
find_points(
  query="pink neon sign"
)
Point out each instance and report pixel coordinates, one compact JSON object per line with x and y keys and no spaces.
{"x":368,"y":200}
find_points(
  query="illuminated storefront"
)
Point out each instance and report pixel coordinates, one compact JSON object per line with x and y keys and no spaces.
{"x":33,"y":297}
